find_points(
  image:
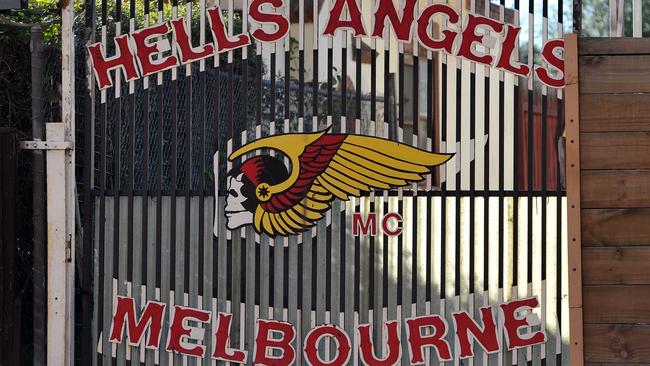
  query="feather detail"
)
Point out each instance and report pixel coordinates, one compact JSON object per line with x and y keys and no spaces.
{"x":330,"y":166}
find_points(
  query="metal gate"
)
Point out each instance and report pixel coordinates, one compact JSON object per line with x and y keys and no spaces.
{"x":485,"y":228}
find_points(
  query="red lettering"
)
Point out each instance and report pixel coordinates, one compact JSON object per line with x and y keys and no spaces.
{"x":334,"y":22}
{"x":548,"y":53}
{"x":369,"y":226}
{"x":185,"y":49}
{"x":366,"y":347}
{"x":470,"y":37}
{"x":402,"y":27}
{"x":123,"y":59}
{"x":177,"y":331}
{"x":282,"y":23}
{"x":512,"y":323}
{"x":151,"y":317}
{"x":341,"y":354}
{"x":263,"y":343}
{"x":487,"y":337}
{"x":217,"y":25}
{"x":144,"y":50}
{"x":222,"y":339}
{"x":398,"y":227}
{"x":417,"y":341}
{"x":424,"y":21}
{"x":508,"y":49}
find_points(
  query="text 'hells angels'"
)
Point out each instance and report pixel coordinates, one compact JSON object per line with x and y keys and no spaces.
{"x":147,"y":51}
{"x":274,"y":340}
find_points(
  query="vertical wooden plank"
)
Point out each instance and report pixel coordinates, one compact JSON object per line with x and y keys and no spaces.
{"x":321,"y":278}
{"x":480,"y":295}
{"x":336,"y":269}
{"x":208,"y":268}
{"x":279,"y":244}
{"x":137,"y":353}
{"x":180,"y":295}
{"x":265,"y":275}
{"x":222,"y":258}
{"x":572,"y":118}
{"x":350,"y":284}
{"x":522,"y":260}
{"x":62,"y":162}
{"x":194,"y":259}
{"x":152,"y":265}
{"x":550,"y":304}
{"x":616,"y":18}
{"x":421,"y":243}
{"x":449,"y":216}
{"x":97,"y":286}
{"x":480,"y":280}
{"x":378,"y":286}
{"x":407,"y":269}
{"x":565,"y":314}
{"x":463,"y":162}
{"x":364,"y":269}
{"x":389,"y":204}
{"x":107,"y":306}
{"x":124,"y":287}
{"x":495,"y":294}
{"x":637,"y":19}
{"x":165,"y":275}
{"x":223,"y":305}
{"x":450,"y":266}
{"x":537,"y":270}
{"x":507,"y":266}
{"x":436,"y":261}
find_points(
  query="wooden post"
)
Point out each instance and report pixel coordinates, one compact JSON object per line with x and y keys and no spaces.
{"x":572,"y":120}
{"x":60,"y":265}
{"x":61,"y":210}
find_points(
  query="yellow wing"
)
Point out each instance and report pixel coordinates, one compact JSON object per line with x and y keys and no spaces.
{"x":358,"y":165}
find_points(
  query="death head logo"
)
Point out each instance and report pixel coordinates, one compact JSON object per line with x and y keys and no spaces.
{"x":281,"y":200}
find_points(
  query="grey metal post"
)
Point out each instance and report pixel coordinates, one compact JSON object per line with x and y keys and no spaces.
{"x":39,"y":216}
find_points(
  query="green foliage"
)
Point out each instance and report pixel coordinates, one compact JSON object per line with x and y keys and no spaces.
{"x":16,"y":24}
{"x":154,"y":15}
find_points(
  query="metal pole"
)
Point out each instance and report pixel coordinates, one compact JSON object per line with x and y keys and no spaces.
{"x":38,"y":185}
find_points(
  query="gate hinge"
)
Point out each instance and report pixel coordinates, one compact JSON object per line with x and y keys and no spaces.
{"x":68,"y":248}
{"x":45,"y":145}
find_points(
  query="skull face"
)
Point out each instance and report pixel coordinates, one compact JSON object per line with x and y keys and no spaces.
{"x":236,"y":214}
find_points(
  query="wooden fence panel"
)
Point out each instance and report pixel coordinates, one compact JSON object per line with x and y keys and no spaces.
{"x":615,"y":199}
{"x":624,"y":150}
{"x":616,"y":266}
{"x":615,"y":112}
{"x":617,"y":344}
{"x":601,"y":227}
{"x":615,"y":188}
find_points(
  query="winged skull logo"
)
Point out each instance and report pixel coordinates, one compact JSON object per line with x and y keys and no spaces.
{"x":264,"y":193}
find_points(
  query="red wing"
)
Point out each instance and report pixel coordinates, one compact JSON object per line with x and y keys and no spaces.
{"x":313,"y":161}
